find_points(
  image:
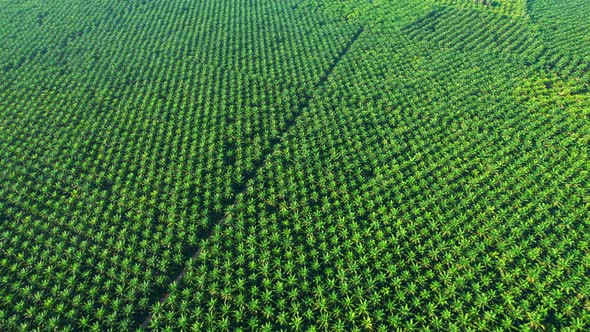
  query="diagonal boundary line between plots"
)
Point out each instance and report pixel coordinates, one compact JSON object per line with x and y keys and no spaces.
{"x":259,"y":165}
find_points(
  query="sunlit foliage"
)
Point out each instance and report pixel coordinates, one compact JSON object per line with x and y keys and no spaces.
{"x":261,"y":165}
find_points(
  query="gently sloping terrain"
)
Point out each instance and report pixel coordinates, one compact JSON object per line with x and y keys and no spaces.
{"x":422,"y":189}
{"x":123,"y":144}
{"x":286,"y":165}
{"x":503,"y":7}
{"x":564,"y":25}
{"x":513,"y":38}
{"x":260,"y":164}
{"x":471,"y":30}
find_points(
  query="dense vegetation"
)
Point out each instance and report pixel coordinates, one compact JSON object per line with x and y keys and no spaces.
{"x":295,"y":165}
{"x":564,"y":25}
